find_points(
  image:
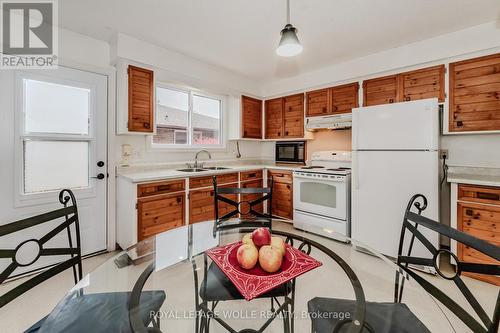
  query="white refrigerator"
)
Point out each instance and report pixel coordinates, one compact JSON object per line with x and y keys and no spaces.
{"x":395,"y":155}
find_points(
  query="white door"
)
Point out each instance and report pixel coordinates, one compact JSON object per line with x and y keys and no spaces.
{"x":60,"y":142}
{"x":399,"y":126}
{"x":382,"y":185}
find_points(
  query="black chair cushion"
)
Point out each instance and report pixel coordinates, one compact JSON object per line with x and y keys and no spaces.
{"x":218,"y":287}
{"x":103,"y":312}
{"x":382,"y":317}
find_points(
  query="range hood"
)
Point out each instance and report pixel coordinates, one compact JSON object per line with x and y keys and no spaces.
{"x":329,"y":122}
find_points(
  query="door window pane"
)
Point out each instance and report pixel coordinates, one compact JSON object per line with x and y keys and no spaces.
{"x":172,"y":109}
{"x":56,"y":108}
{"x":206,"y":120}
{"x":318,"y":194}
{"x":54,"y":165}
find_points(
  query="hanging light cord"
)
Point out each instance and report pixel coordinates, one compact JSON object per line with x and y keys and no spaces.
{"x":287,"y":11}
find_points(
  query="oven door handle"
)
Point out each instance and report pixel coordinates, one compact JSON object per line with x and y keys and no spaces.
{"x":320,"y":180}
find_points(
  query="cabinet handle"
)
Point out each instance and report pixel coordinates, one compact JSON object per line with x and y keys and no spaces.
{"x":408,"y":98}
{"x":179,"y":200}
{"x":324,"y":110}
{"x":286,"y":133}
{"x":279,"y":133}
{"x":289,"y":108}
{"x":244,"y":133}
{"x":468,"y":212}
{"x":288,"y":186}
{"x":391,"y":100}
{"x":488,"y":196}
{"x":335,"y":108}
{"x":146,"y":125}
{"x":211,"y":193}
{"x":460,"y":123}
{"x":252,"y":175}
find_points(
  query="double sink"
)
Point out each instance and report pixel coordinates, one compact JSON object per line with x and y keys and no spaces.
{"x":202,"y":169}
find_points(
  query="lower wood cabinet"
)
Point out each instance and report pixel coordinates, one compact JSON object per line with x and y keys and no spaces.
{"x":159,"y":213}
{"x":201,"y":204}
{"x":251,"y":197}
{"x":478,"y":214}
{"x":282,"y":202}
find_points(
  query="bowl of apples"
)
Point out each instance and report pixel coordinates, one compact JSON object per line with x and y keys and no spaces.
{"x":260,"y":262}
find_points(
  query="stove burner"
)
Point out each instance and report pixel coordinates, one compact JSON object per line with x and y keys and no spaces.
{"x":312,"y":167}
{"x":339,"y":169}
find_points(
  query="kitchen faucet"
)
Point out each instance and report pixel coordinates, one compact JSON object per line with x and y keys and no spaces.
{"x":196,"y":158}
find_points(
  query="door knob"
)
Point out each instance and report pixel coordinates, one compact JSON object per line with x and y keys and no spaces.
{"x":99,"y":176}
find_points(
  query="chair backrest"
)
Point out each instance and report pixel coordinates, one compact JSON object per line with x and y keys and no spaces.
{"x":69,"y":216}
{"x":412,"y":222}
{"x":250,"y":217}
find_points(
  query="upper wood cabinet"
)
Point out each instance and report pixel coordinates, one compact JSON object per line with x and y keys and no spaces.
{"x":344,"y":98}
{"x":383,"y":90}
{"x":334,"y":100}
{"x":274,"y":118}
{"x":475,"y":94}
{"x":408,"y":86}
{"x":140,"y":99}
{"x":285,"y":117}
{"x":251,"y":112}
{"x":423,"y":83}
{"x":293,"y":116}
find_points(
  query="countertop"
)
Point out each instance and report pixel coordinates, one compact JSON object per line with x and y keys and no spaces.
{"x":474,"y":176}
{"x":145,"y":174}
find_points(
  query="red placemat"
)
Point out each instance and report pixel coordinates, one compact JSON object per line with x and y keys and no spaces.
{"x":255,"y":282}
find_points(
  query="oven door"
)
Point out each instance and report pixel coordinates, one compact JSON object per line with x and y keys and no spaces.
{"x":326,"y":197}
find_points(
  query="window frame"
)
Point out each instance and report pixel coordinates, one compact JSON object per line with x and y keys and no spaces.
{"x":21,"y":198}
{"x":151,"y":146}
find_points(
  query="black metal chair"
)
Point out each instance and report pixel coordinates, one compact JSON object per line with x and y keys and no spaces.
{"x":411,"y":223}
{"x":246,"y":209}
{"x":215,"y":286}
{"x":102,"y":312}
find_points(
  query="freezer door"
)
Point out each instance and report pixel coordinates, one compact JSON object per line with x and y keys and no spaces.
{"x":383,"y":183}
{"x":399,"y":126}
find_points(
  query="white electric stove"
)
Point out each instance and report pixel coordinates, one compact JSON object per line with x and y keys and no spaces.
{"x":322,"y":195}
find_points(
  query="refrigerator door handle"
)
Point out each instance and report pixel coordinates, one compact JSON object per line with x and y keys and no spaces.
{"x":355,"y":169}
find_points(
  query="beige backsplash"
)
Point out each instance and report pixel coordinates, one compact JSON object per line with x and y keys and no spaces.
{"x":329,"y":140}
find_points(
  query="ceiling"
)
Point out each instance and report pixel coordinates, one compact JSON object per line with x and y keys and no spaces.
{"x":242,"y":35}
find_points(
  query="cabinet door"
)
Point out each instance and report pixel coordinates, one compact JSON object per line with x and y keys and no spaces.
{"x":282,"y":203}
{"x":382,"y":90}
{"x":480,"y":221}
{"x":160,"y":213}
{"x":274,"y":118}
{"x":475,"y":94}
{"x":251,"y":117}
{"x":201,"y":205}
{"x":294,"y":116}
{"x":344,"y":98}
{"x":140,"y":99}
{"x":250,"y":197}
{"x":423,"y":83}
{"x":317,"y":103}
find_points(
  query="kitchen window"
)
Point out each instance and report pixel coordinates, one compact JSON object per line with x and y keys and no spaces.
{"x":187,"y":119}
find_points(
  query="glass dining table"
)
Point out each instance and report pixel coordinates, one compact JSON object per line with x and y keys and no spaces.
{"x":164,"y":277}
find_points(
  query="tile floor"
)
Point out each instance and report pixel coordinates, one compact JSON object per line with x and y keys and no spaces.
{"x":177,"y":281}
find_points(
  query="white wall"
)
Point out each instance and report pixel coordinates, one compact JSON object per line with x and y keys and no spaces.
{"x":176,"y":69}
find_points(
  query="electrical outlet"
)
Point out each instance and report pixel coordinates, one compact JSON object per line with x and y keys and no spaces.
{"x":443,"y":154}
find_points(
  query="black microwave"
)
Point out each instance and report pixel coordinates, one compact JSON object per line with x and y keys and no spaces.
{"x":290,"y":152}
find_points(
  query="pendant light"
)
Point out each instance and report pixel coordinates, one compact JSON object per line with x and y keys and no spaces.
{"x":289,"y":45}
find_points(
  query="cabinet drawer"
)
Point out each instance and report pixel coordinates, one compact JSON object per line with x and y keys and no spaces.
{"x":280,"y":176}
{"x":482,"y":194}
{"x":207,"y":181}
{"x":144,"y":190}
{"x":159,"y":214}
{"x":250,"y":175}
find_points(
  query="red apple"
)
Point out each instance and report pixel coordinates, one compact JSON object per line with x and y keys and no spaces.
{"x":247,"y":256}
{"x":261,"y":237}
{"x":247,"y":239}
{"x":270,"y":258}
{"x":278,"y":244}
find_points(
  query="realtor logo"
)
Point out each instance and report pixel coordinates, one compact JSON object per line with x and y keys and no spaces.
{"x":29,"y":34}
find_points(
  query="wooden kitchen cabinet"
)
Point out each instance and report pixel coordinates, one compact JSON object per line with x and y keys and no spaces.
{"x":282,"y":201}
{"x":159,"y":213}
{"x":478,"y":214}
{"x":251,"y":111}
{"x":475,"y":94}
{"x":408,"y":86}
{"x":257,"y":183}
{"x":140,"y":99}
{"x":344,"y":98}
{"x":293,"y":116}
{"x":201,"y":204}
{"x":383,"y":90}
{"x":274,"y":118}
{"x":285,"y":117}
{"x":318,"y":103}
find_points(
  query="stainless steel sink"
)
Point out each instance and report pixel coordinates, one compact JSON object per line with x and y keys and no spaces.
{"x":216,"y":168}
{"x":192,"y":170}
